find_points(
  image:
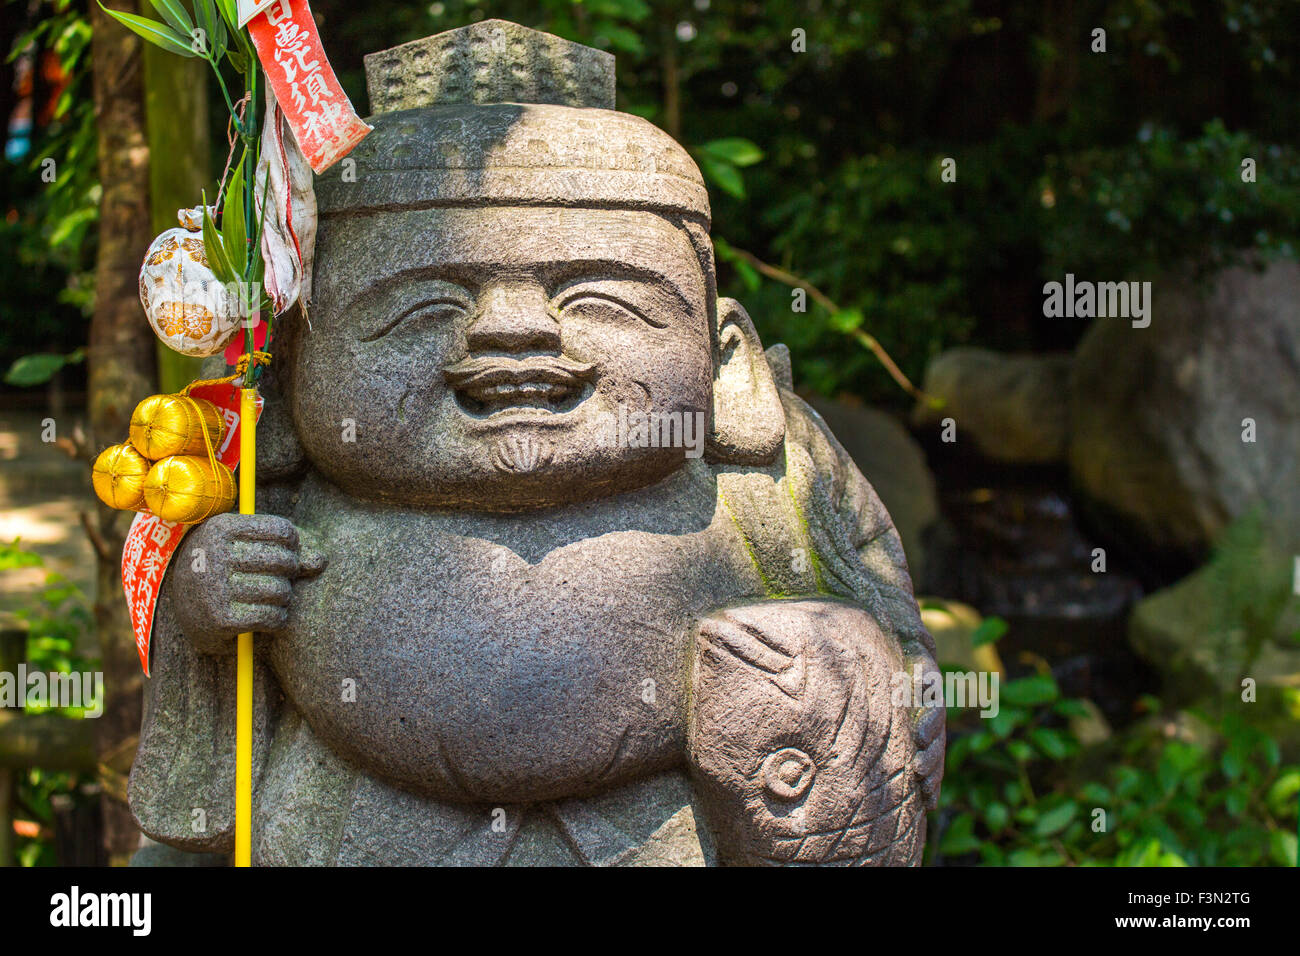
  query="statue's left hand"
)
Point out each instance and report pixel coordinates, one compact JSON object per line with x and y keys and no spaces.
{"x":799,"y":750}
{"x":246,"y":582}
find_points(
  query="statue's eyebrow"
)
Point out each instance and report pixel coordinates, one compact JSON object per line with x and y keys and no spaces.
{"x":594,"y":270}
{"x":393,"y":281}
{"x":469,"y":275}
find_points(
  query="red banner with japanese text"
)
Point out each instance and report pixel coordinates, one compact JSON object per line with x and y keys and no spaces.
{"x":151,"y":541}
{"x":315,"y":106}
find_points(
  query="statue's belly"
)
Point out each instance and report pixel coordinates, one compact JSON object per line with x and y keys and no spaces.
{"x":458,"y":670}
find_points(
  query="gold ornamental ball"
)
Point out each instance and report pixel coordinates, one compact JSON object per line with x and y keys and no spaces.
{"x":166,"y":425}
{"x":118,"y":477}
{"x":185,"y":489}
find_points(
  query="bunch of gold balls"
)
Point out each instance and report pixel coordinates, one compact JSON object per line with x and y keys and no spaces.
{"x":169,"y":466}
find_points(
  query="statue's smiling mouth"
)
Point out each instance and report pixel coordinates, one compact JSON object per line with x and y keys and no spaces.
{"x":489,"y":384}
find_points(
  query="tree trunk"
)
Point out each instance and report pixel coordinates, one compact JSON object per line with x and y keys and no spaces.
{"x":121,"y":373}
{"x":13,"y":651}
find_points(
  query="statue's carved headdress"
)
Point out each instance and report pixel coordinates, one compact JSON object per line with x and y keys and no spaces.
{"x":498,"y":114}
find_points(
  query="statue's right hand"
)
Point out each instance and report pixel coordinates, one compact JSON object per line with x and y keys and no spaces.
{"x":234,"y":573}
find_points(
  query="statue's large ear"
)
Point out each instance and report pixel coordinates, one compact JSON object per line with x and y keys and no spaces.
{"x":748,"y":421}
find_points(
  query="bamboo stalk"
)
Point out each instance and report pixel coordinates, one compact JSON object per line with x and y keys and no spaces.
{"x":244,"y":667}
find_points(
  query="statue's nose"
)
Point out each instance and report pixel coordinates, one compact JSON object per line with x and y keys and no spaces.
{"x":513,"y":319}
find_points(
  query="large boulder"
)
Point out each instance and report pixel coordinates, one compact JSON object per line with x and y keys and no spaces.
{"x":1014,"y":408}
{"x":894,"y":464}
{"x":1238,"y":617}
{"x":1158,"y":415}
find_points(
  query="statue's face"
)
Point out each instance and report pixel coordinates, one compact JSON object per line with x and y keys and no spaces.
{"x":486,"y":357}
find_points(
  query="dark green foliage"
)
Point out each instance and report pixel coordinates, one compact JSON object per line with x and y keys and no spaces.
{"x":1191,"y":788}
{"x":1019,"y":792}
{"x":1163,"y":200}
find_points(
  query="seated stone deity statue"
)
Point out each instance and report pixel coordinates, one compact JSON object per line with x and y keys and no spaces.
{"x":551,"y":565}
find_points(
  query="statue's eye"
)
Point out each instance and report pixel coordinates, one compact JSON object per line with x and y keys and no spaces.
{"x":595,"y":298}
{"x":441,"y":309}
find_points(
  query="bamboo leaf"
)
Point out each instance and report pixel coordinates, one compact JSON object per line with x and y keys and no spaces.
{"x":234,"y":224}
{"x":217,"y":258}
{"x":220,"y":38}
{"x":735,"y":150}
{"x":722,"y":174}
{"x":174,"y":12}
{"x":38,"y":369}
{"x":159,"y":34}
{"x":259,"y":267}
{"x":205,"y":18}
{"x":205,"y":11}
{"x":230,"y":13}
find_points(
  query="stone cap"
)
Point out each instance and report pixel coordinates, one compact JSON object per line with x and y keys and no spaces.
{"x":517,"y":154}
{"x":493,"y":61}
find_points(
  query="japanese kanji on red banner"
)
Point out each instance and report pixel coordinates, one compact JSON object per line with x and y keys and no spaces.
{"x":151,"y":542}
{"x":315,"y":106}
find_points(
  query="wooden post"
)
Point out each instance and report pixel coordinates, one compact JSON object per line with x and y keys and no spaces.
{"x":13,"y":651}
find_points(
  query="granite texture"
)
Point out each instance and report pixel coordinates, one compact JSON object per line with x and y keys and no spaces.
{"x":496,"y":626}
{"x":494,"y":61}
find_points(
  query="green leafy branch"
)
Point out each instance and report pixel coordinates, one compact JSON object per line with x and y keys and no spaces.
{"x":30,"y":370}
{"x":213,"y":34}
{"x":847,"y":321}
{"x":721,"y":162}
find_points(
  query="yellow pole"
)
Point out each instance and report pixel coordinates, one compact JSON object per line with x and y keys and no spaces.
{"x":244,"y":667}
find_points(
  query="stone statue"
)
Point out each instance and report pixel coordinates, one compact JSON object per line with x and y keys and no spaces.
{"x":551,"y":565}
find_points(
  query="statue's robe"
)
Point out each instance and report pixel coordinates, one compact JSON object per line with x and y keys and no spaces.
{"x":807,"y":525}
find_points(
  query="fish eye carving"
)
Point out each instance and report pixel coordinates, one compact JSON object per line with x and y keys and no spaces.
{"x":788,"y":773}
